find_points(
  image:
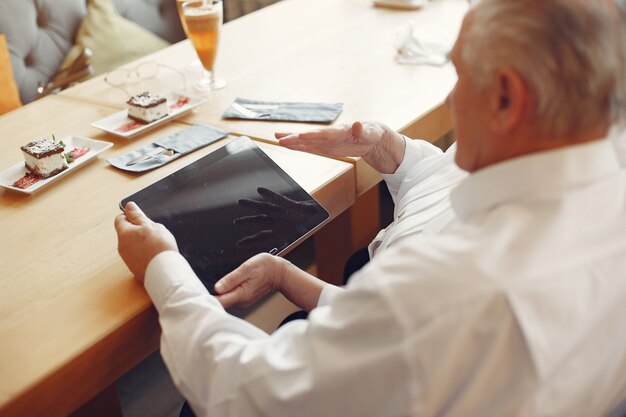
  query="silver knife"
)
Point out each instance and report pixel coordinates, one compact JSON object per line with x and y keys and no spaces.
{"x":152,"y":154}
{"x":247,"y":112}
{"x":251,"y":106}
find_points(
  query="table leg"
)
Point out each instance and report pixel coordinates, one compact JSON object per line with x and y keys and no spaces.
{"x":105,"y":404}
{"x":352,"y":230}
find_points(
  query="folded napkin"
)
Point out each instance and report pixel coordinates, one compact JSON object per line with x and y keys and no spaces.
{"x":426,"y":45}
{"x":181,"y":143}
{"x":285,"y":111}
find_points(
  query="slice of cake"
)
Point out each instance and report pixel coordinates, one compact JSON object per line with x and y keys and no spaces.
{"x":147,"y":108}
{"x":44,"y":157}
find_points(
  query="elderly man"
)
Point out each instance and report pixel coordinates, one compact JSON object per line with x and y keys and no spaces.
{"x":513,"y":307}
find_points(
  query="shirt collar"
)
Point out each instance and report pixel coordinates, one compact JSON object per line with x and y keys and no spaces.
{"x":532,"y":174}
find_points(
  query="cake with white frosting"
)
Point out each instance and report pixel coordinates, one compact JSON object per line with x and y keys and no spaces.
{"x":147,"y":107}
{"x":44,"y":157}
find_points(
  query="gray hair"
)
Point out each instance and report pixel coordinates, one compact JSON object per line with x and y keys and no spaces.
{"x":571,"y":53}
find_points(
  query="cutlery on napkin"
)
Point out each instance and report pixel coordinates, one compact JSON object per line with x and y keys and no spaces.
{"x":167,"y":149}
{"x":152,"y":154}
{"x":248,"y":109}
{"x":247,"y":112}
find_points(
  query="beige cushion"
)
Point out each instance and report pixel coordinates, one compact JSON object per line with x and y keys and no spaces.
{"x":113,"y":39}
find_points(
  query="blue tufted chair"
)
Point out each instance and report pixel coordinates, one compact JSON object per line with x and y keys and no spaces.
{"x":40,"y":33}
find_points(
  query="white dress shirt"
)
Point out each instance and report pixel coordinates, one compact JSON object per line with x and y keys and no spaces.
{"x":515,"y":308}
{"x":420,"y":189}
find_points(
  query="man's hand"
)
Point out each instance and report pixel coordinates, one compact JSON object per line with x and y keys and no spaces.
{"x":379,"y":146}
{"x":255,"y":278}
{"x":357,"y":139}
{"x":139,"y":239}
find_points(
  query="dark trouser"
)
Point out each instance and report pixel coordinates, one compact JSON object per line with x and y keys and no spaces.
{"x":357,"y":261}
{"x":186,"y":411}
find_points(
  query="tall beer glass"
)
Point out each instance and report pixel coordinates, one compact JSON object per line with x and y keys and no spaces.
{"x":203,"y":22}
{"x":194,"y":65}
{"x":179,"y":7}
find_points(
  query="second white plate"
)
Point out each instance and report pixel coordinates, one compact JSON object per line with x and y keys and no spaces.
{"x":9,"y":176}
{"x":121,"y":125}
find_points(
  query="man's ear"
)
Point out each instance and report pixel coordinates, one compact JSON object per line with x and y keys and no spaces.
{"x":509,"y":101}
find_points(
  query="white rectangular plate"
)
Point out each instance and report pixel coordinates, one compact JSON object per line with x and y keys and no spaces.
{"x":17,"y":171}
{"x":121,"y":125}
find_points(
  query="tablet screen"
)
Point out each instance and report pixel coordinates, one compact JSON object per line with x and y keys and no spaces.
{"x":229,"y":206}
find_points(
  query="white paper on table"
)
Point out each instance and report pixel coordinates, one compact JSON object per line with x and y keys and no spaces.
{"x":429,"y":45}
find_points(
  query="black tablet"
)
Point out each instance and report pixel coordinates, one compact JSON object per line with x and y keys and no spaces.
{"x":230,"y":205}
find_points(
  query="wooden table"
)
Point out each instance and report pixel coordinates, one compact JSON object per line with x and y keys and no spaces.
{"x":319,"y":51}
{"x":72,"y":318}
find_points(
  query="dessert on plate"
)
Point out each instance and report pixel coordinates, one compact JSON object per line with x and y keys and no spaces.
{"x":147,"y":107}
{"x":44,"y":157}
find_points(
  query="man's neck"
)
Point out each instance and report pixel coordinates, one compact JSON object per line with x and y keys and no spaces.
{"x":531,"y":141}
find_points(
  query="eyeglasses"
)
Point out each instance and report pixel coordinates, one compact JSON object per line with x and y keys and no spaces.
{"x":123,"y":77}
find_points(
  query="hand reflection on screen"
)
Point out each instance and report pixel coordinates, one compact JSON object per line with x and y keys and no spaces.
{"x":275,"y":214}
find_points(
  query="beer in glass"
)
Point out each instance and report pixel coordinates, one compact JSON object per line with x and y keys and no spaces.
{"x":203,"y":22}
{"x":195,"y":65}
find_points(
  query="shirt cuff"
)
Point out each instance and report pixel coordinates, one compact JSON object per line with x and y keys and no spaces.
{"x":415,"y":151}
{"x":168,"y":270}
{"x":328,"y":292}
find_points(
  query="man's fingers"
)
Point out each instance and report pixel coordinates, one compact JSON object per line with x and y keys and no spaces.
{"x":313,"y":135}
{"x":135,"y":215}
{"x":302,"y":142}
{"x":289,"y":140}
{"x":121,"y":223}
{"x":230,"y":281}
{"x":288,"y":143}
{"x":228,"y":300}
{"x":280,"y":135}
{"x":357,"y":130}
{"x":132,"y":216}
